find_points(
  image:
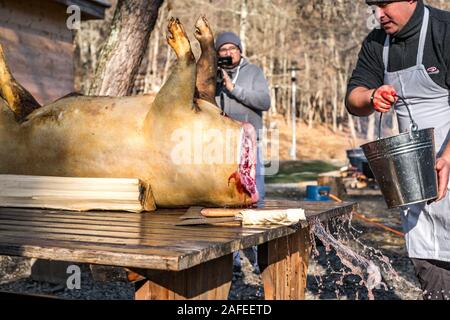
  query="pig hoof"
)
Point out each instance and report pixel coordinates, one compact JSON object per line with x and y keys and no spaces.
{"x":177,"y":38}
{"x":202,"y":30}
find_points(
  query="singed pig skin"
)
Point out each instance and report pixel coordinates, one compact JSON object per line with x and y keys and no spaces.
{"x":131,"y":137}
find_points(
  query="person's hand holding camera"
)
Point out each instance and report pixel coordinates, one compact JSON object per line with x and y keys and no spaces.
{"x":227,"y":82}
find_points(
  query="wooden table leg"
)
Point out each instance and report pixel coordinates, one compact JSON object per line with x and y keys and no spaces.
{"x":284,"y":266}
{"x":208,"y":281}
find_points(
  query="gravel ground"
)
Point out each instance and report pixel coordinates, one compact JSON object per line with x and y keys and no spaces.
{"x":327,"y":277}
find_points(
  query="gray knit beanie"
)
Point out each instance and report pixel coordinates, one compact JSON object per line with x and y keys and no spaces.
{"x":371,"y":2}
{"x":228,"y":37}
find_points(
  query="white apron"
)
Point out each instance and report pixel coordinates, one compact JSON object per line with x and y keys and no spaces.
{"x":427,"y":227}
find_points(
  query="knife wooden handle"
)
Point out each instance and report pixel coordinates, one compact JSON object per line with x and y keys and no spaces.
{"x":220,"y":212}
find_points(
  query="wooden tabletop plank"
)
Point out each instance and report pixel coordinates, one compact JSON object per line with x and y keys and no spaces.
{"x":137,"y":256}
{"x":140,"y":240}
{"x":323,"y":210}
{"x":179,"y":242}
{"x":144,"y":220}
{"x":194,"y":232}
{"x":183,"y":246}
{"x":110,"y":238}
{"x":171,"y":225}
{"x":56,"y":241}
{"x":310,"y":208}
{"x":87,"y":245}
{"x":87,"y":253}
{"x":126,"y":231}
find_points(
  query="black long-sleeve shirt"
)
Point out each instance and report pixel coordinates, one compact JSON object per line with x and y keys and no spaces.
{"x":369,"y":71}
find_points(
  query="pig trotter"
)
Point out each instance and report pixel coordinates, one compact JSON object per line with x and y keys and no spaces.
{"x":178,"y":40}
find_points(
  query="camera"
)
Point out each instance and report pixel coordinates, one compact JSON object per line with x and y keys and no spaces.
{"x":224,"y":62}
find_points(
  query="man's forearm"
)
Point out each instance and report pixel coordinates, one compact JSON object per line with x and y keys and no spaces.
{"x":358,"y":101}
{"x":443,"y":169}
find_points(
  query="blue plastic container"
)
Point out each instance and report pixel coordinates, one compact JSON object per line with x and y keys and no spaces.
{"x":317,"y":193}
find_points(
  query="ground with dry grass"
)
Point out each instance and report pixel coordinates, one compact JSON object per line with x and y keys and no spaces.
{"x":318,"y":142}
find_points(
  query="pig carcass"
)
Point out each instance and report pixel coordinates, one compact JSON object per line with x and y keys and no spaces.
{"x":177,"y":140}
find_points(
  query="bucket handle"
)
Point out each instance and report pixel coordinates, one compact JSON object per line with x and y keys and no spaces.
{"x":413,"y":127}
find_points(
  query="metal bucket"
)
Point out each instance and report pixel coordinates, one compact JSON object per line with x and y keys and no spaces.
{"x":404,"y":166}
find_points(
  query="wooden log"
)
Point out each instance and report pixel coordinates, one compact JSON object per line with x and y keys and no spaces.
{"x":284,"y":266}
{"x":77,"y":194}
{"x":334,"y":181}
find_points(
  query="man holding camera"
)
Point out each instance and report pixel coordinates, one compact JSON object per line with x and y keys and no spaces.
{"x":243,"y":94}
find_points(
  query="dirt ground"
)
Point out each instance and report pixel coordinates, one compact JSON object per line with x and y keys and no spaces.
{"x":327,"y":277}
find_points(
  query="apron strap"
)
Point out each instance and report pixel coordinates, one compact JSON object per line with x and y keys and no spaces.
{"x":423,"y":36}
{"x":421,"y":48}
{"x":386,"y":52}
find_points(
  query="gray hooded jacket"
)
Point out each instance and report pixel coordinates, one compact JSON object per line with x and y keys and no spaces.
{"x":250,"y":96}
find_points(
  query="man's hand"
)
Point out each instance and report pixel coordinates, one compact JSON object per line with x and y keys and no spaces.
{"x":443,"y":170}
{"x":384,"y":98}
{"x":227,"y":81}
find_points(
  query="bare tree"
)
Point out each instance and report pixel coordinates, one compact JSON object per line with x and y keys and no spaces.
{"x":122,"y":54}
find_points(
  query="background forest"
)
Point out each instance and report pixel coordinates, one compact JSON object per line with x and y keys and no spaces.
{"x":321,"y":37}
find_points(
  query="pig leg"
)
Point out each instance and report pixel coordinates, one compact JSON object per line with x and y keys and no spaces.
{"x":178,"y":91}
{"x":207,"y":64}
{"x":19,"y":100}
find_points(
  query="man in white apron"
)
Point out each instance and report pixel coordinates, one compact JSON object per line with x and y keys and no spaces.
{"x":410,"y":57}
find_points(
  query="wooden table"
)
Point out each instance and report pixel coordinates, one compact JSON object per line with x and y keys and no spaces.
{"x":170,"y":262}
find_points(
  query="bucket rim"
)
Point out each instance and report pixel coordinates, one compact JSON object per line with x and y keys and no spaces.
{"x":411,"y":203}
{"x":392,"y":137}
{"x":354,"y":150}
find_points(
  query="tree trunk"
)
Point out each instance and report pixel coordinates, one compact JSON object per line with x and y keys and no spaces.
{"x":343,"y":89}
{"x":334,"y":101}
{"x":307,"y":89}
{"x":122,"y":54}
{"x":243,"y":23}
{"x":351,"y":125}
